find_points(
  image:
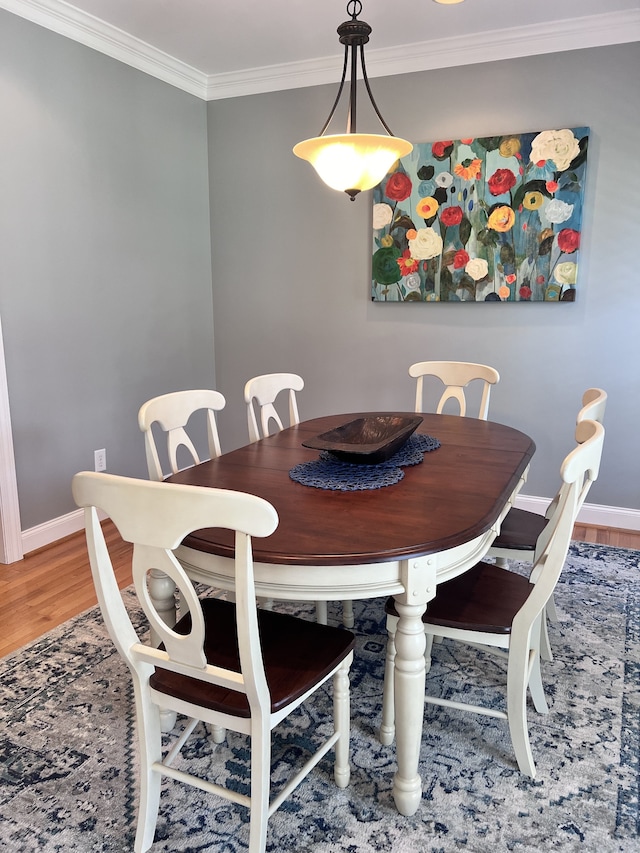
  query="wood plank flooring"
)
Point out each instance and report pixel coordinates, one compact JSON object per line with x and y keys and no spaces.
{"x":54,"y":583}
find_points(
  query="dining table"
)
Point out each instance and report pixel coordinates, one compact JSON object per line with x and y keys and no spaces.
{"x":402,"y":539}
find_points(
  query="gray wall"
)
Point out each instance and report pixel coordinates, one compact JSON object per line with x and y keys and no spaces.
{"x":107,"y":235}
{"x":105,"y":271}
{"x":291,"y":260}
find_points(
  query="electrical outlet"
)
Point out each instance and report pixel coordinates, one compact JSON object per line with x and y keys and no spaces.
{"x":100,"y":459}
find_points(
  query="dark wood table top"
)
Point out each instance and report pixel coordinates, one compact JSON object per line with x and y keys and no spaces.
{"x":453,"y":496}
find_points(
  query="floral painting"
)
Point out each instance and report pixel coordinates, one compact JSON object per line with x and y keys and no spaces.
{"x":486,"y":219}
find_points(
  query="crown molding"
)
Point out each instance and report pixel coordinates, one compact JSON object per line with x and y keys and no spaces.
{"x":66,"y":20}
{"x":574,"y":34}
{"x":489,"y":46}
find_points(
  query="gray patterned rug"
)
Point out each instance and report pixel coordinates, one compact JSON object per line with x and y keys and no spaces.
{"x":68,"y":758}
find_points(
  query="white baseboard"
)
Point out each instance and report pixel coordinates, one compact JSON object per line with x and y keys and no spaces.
{"x":607,"y":516}
{"x":50,"y":531}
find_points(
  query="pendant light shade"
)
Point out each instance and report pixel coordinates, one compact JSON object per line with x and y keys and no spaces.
{"x":353,"y":161}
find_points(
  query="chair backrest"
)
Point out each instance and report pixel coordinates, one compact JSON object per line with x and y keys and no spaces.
{"x":171,"y":412}
{"x":455,"y":375}
{"x":587,"y":434}
{"x":594,"y":402}
{"x":156,"y":517}
{"x":262,"y":391}
{"x":582,"y":463}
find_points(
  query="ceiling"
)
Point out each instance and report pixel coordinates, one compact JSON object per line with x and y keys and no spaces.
{"x":216,"y":50}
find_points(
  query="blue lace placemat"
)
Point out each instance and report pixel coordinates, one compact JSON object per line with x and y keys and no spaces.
{"x":328,"y":472}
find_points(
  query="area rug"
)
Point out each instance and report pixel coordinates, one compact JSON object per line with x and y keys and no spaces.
{"x":68,"y":760}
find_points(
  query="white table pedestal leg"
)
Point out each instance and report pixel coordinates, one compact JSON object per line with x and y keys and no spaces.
{"x":409,"y":682}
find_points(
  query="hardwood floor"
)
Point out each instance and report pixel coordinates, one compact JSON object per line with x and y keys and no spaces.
{"x":54,"y":583}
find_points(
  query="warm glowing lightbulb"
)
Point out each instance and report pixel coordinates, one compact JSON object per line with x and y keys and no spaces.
{"x":352,"y":162}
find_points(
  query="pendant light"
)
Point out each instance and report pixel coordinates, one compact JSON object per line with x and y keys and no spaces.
{"x":353,"y":161}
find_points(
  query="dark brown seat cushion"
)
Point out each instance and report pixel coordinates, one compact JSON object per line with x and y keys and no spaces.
{"x":484,"y":598}
{"x":297,"y":654}
{"x":520,"y":530}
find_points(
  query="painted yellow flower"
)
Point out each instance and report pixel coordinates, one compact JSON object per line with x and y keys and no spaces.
{"x":427,"y":207}
{"x":532,"y":200}
{"x":468,"y":170}
{"x":386,"y":241}
{"x":509,"y":147}
{"x":501,"y":219}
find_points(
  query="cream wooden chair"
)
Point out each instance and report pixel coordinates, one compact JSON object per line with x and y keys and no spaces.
{"x":231,"y":666}
{"x":455,"y":376}
{"x":522,"y":534}
{"x":172,"y":412}
{"x":261,"y":392}
{"x":263,"y":419}
{"x":492,"y":608}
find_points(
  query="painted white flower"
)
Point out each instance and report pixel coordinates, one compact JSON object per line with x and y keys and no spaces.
{"x":477,"y":268}
{"x":426,"y":244}
{"x":566,"y":273}
{"x":382,"y":216}
{"x":412,"y":281}
{"x":561,"y":146}
{"x":558,"y":211}
{"x":444,"y":179}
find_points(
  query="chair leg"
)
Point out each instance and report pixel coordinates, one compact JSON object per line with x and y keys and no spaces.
{"x":321,"y":612}
{"x":552,"y":613}
{"x":517,"y":679}
{"x":348,"y":619}
{"x":218,"y":734}
{"x":429,"y":639}
{"x":536,"y":687}
{"x":388,"y":725}
{"x":148,"y":717}
{"x":342,"y":722}
{"x":260,"y":785}
{"x":545,"y":644}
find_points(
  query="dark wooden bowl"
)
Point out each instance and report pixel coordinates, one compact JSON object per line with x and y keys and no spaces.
{"x":367,"y":441}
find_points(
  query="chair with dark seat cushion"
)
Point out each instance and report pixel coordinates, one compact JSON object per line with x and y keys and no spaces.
{"x":521,"y":532}
{"x":500,"y":611}
{"x":229,"y":665}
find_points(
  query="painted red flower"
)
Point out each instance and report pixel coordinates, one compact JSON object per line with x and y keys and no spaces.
{"x":501,"y":181}
{"x":398,"y":186}
{"x":525,"y":292}
{"x":451,"y":216}
{"x":442,"y":149}
{"x":568,"y":240}
{"x":540,"y":279}
{"x":510,"y":278}
{"x":460,"y":259}
{"x":406,"y":263}
{"x":551,"y":186}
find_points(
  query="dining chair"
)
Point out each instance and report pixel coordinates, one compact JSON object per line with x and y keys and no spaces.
{"x":455,"y":376}
{"x":500,"y":611}
{"x":230,"y":665}
{"x":261,"y":392}
{"x":263,"y":420}
{"x":522,"y":532}
{"x":172,"y":412}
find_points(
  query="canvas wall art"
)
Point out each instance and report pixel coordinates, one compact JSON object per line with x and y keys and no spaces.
{"x":485,"y":219}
